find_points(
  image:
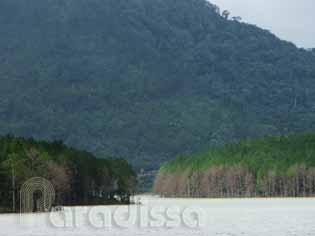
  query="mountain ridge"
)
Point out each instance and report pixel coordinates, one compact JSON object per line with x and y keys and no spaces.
{"x":147,"y":80}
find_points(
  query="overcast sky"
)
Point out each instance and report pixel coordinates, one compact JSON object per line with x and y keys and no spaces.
{"x":292,"y":20}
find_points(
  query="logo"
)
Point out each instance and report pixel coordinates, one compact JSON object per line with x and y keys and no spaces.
{"x":36,"y":195}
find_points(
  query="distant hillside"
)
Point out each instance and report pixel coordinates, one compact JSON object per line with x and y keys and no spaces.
{"x":146,"y":79}
{"x":269,"y":166}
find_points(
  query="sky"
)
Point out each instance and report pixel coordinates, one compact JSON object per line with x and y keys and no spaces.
{"x":291,"y":20}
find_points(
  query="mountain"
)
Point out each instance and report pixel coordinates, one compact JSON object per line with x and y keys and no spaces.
{"x":146,"y":79}
{"x":266,"y":167}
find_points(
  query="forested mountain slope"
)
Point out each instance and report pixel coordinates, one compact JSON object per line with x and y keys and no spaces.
{"x":146,"y":79}
{"x":272,"y":166}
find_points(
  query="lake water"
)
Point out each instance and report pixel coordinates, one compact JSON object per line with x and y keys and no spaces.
{"x":173,"y":217}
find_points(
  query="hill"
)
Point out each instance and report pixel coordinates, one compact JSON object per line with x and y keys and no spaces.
{"x":146,"y":79}
{"x":269,"y":166}
{"x":77,"y":176}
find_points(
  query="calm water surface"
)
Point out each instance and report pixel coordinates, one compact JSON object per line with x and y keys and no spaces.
{"x":156,"y":216}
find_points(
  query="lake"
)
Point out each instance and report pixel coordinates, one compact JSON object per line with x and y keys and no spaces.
{"x":172,"y":217}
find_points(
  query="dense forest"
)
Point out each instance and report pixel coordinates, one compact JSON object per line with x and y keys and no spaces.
{"x":147,"y":79}
{"x":267,"y":167}
{"x":77,"y":176}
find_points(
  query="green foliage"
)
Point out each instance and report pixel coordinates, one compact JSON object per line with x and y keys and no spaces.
{"x":276,"y":153}
{"x":78,"y":177}
{"x":272,"y":166}
{"x":147,"y":79}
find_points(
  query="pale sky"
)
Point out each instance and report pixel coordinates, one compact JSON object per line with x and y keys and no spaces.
{"x":291,"y":20}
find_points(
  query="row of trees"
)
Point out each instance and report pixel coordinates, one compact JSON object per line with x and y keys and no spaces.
{"x":268,"y":167}
{"x":77,"y":176}
{"x":237,"y":181}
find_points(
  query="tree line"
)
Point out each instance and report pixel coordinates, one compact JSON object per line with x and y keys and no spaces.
{"x":272,"y":166}
{"x":78,"y":177}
